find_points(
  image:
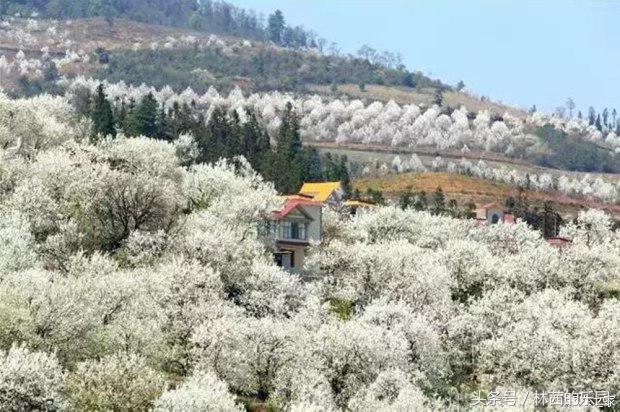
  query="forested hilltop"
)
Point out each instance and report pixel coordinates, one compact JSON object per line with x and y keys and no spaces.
{"x":357,"y":92}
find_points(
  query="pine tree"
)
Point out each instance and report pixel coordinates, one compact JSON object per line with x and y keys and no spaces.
{"x":310,"y":165}
{"x":165,"y":126}
{"x":283,"y":166}
{"x":254,"y":141}
{"x":275,"y":27}
{"x":213,"y":144}
{"x":101,"y":115}
{"x":233,"y":143}
{"x":407,"y":198}
{"x":343,"y":175}
{"x":591,"y":116}
{"x":439,"y":200}
{"x":143,"y":118}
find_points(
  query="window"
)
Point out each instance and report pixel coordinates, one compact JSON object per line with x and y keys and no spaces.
{"x":294,"y":230}
{"x":494,"y":218}
{"x":286,"y":230}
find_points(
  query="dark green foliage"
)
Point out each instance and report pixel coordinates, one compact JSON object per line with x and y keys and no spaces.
{"x":167,"y":12}
{"x":409,"y":80}
{"x":202,"y":15}
{"x":267,"y":69}
{"x":375,"y":196}
{"x":288,"y":165}
{"x":275,"y":27}
{"x":310,"y":164}
{"x":335,"y":169}
{"x":101,"y":115}
{"x":572,"y":153}
{"x":143,"y":119}
{"x":102,"y":55}
{"x":254,"y":140}
{"x":410,"y":199}
{"x":439,"y":202}
{"x":282,"y":165}
{"x":407,"y":199}
{"x":547,"y":220}
{"x":50,"y":72}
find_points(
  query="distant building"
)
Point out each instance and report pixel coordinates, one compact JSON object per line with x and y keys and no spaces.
{"x":292,"y":228}
{"x":492,"y":213}
{"x":358,"y":207}
{"x":329,"y":193}
{"x":559,"y":242}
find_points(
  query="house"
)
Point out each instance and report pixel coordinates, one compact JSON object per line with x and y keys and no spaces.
{"x":329,"y":193}
{"x":358,"y":207}
{"x":492,"y":213}
{"x":559,"y":242}
{"x":292,"y":229}
{"x":297,"y":223}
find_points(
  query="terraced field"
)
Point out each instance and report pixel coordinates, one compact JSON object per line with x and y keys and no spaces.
{"x":467,"y":188}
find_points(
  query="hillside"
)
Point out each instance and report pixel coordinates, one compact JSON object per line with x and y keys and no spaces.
{"x":232,"y":218}
{"x":466,"y":189}
{"x":132,"y":48}
{"x":420,"y":96}
{"x":380,"y":116}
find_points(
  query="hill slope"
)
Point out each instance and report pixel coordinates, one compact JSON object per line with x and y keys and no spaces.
{"x":466,"y":189}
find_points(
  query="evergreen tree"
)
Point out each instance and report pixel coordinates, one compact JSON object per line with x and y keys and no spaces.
{"x":591,"y":116}
{"x":343,"y":175}
{"x":421,"y":201}
{"x":254,"y":141}
{"x":470,"y":210}
{"x":233,"y":143}
{"x":310,"y":165}
{"x":50,"y":72}
{"x":407,"y":198}
{"x":143,"y":118}
{"x":376,"y":196}
{"x":598,"y":123}
{"x":165,"y":126}
{"x":439,"y":201}
{"x":453,"y":208}
{"x":283,"y":166}
{"x":275,"y":27}
{"x":213,"y":145}
{"x":101,"y":115}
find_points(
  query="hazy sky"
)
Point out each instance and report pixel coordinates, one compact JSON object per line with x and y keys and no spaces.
{"x":522,"y":52}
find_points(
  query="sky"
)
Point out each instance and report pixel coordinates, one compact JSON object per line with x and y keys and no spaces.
{"x":520,"y":52}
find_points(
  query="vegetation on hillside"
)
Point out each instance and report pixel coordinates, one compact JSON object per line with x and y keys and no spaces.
{"x":322,"y":119}
{"x":569,"y":152}
{"x":225,"y":134}
{"x":201,"y":15}
{"x":135,"y":274}
{"x":169,"y":299}
{"x":256,"y":69}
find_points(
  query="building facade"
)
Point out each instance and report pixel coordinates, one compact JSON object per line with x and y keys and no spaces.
{"x":292,"y":229}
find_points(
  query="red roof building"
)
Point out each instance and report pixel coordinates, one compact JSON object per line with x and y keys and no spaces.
{"x":559,"y":241}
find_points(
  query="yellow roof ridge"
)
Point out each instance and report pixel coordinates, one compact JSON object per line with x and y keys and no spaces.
{"x":320,"y":191}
